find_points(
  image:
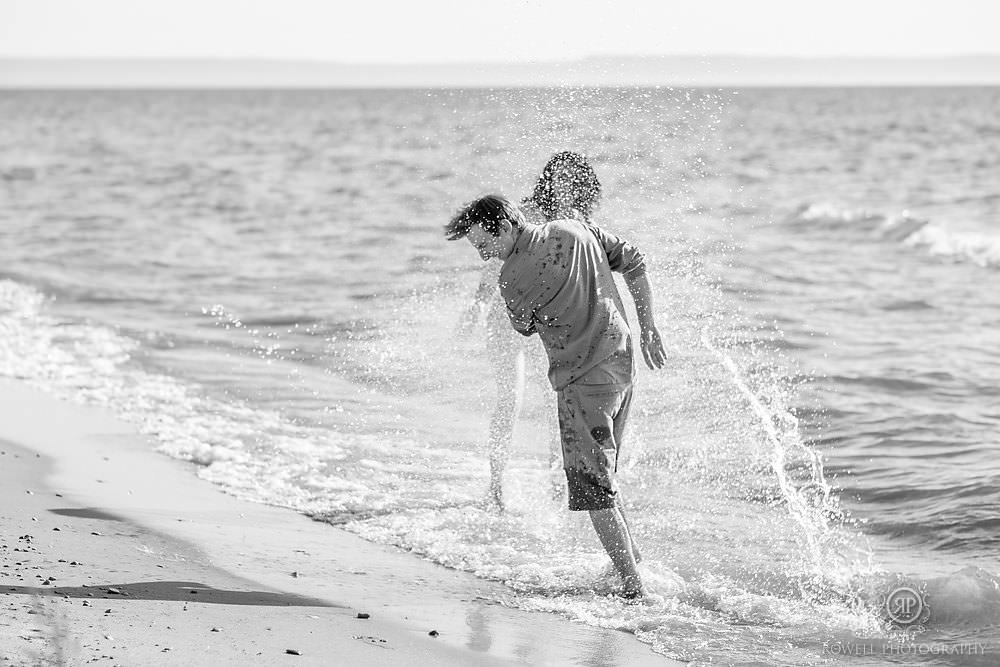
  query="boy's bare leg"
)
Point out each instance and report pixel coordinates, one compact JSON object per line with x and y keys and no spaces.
{"x":614,"y":535}
{"x":628,"y":529}
{"x":557,"y":476}
{"x":509,"y":372}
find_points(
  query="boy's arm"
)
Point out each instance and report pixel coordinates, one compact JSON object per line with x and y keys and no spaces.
{"x":488,"y":281}
{"x":520,"y":308}
{"x":623,"y":257}
{"x":523,"y":324}
{"x":475,"y":314}
{"x":521,"y":315}
{"x":626,"y":259}
{"x":649,"y":335}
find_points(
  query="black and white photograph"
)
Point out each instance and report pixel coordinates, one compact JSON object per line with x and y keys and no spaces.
{"x":533,"y":332}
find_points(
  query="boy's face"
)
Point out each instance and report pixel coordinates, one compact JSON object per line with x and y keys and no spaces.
{"x":489,"y":246}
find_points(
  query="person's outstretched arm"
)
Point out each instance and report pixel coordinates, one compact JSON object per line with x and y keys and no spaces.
{"x":649,"y":335}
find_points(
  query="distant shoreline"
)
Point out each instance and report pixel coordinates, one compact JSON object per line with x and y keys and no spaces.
{"x":604,"y":72}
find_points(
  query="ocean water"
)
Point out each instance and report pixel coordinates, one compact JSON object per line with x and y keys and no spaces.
{"x":258,"y":280}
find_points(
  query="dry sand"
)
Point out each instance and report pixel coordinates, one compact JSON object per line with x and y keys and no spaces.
{"x":113,"y":554}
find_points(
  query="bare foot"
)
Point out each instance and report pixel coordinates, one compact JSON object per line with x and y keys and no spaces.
{"x":632,"y":586}
{"x":641,"y":596}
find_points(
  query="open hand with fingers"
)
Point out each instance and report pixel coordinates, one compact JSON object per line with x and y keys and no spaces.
{"x":652,"y":347}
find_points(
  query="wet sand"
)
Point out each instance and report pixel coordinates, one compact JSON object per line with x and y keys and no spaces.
{"x":113,"y":554}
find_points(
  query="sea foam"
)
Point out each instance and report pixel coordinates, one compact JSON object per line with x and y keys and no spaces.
{"x":938,"y":239}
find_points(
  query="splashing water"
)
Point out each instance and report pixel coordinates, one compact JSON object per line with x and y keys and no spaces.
{"x":330,"y":381}
{"x":811,"y":503}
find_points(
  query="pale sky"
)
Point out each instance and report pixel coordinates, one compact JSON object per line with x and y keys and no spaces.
{"x":395,"y":31}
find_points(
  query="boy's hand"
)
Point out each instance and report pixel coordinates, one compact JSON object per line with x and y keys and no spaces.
{"x":652,"y":347}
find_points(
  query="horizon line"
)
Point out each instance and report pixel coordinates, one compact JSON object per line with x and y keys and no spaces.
{"x":725,"y":71}
{"x":532,"y":61}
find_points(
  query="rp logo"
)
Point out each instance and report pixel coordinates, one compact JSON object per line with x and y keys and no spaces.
{"x":906,"y":606}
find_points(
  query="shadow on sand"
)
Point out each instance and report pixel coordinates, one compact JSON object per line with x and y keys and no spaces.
{"x":186,"y":591}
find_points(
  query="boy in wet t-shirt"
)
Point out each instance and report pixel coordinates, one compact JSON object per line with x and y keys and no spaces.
{"x":556,"y":281}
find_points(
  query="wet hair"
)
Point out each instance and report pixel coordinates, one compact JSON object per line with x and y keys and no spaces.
{"x":586,"y":187}
{"x":488,"y":211}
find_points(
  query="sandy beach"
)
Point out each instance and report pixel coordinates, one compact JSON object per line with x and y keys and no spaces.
{"x":114,"y":554}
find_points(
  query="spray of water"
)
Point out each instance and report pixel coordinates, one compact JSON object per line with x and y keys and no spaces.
{"x":834,"y":562}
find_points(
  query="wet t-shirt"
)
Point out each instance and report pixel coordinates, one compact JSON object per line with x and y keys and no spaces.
{"x":557,"y":282}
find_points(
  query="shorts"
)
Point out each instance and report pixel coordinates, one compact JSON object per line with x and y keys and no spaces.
{"x":592,"y":414}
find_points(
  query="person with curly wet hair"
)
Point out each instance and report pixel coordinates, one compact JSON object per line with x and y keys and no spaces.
{"x":568,"y":187}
